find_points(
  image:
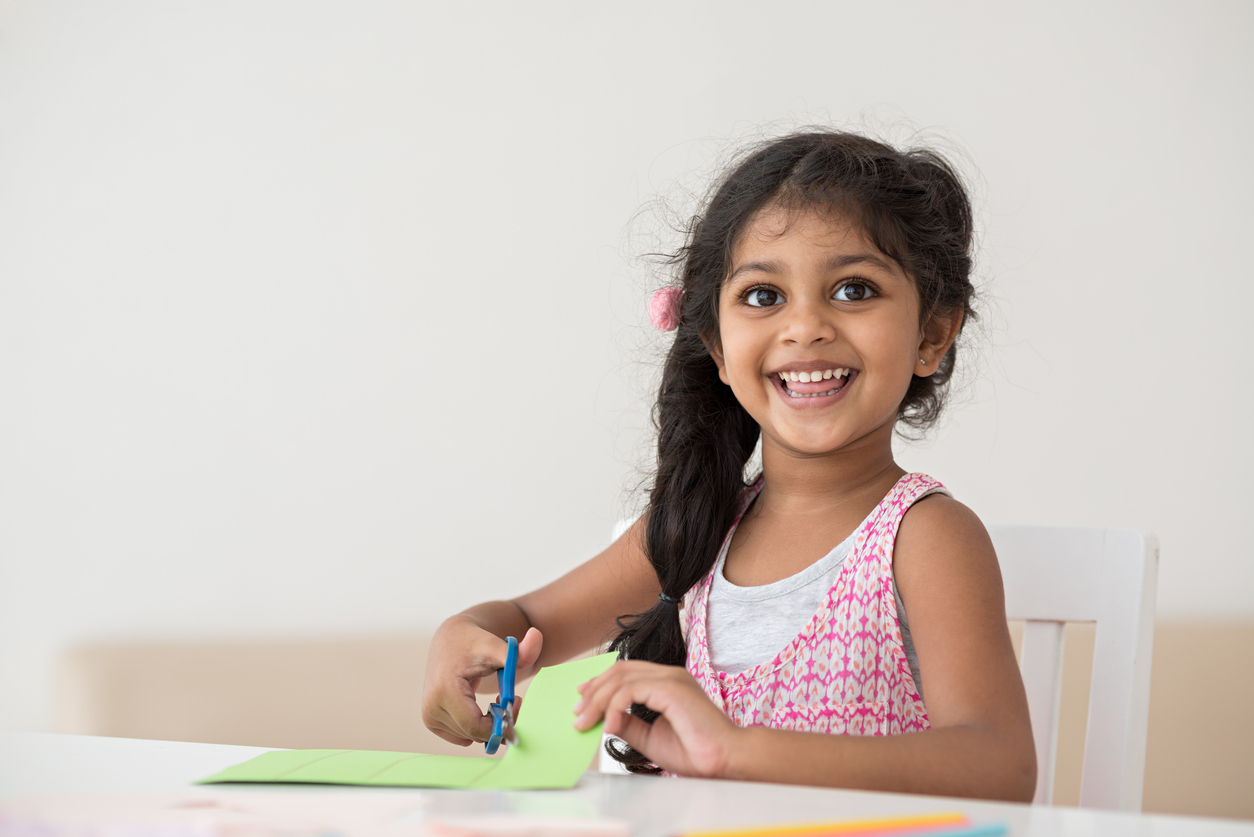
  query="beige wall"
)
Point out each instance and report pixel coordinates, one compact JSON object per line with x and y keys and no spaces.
{"x":363,"y":694}
{"x":1200,"y":753}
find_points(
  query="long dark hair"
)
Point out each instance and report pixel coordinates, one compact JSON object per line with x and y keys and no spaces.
{"x":913,"y":207}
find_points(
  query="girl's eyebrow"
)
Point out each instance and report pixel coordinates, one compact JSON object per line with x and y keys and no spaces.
{"x":859,"y":258}
{"x":834,"y":263}
{"x":755,"y":267}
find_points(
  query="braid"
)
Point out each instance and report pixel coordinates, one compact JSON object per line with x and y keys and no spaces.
{"x":704,"y":440}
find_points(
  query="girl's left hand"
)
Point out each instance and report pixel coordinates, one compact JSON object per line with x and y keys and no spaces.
{"x":691,"y":736}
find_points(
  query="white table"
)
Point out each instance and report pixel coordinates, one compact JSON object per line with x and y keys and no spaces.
{"x":36,"y":763}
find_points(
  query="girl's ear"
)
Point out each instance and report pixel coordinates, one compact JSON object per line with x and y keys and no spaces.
{"x":716,"y":351}
{"x":939,"y":333}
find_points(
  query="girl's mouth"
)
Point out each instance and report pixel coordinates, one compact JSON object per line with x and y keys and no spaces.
{"x":816,"y":387}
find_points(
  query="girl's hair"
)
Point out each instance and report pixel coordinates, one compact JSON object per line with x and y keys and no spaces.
{"x":913,"y":207}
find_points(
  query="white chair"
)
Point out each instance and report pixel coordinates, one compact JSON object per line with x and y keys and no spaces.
{"x":1110,"y":577}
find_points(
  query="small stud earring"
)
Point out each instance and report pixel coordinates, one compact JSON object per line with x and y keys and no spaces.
{"x":922,"y":361}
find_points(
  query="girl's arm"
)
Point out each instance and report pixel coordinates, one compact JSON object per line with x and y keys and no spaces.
{"x":980,"y":743}
{"x":564,"y":618}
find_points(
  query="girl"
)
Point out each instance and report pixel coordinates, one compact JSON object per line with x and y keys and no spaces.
{"x":766,"y":634}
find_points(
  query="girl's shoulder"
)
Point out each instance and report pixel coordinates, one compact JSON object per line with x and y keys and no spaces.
{"x":939,"y":516}
{"x":941,"y":534}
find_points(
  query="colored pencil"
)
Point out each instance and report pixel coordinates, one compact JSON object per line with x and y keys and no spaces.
{"x":948,"y":824}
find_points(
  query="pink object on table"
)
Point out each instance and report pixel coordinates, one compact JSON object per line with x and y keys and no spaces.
{"x":664,"y":308}
{"x":211,"y":813}
{"x":521,"y":825}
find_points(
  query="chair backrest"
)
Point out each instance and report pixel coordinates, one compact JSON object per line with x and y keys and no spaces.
{"x":1108,"y":576}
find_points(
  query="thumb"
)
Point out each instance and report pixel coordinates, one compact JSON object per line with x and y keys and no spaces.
{"x":529,"y":648}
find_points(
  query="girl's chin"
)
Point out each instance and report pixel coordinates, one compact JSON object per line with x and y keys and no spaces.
{"x":813,"y":435}
{"x":806,"y":445}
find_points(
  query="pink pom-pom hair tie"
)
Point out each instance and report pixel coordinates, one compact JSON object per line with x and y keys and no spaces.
{"x":664,"y":308}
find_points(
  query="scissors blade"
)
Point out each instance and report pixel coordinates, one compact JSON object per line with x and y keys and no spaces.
{"x":511,"y":737}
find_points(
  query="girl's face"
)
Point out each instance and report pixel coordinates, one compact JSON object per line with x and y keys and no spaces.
{"x":810,"y":297}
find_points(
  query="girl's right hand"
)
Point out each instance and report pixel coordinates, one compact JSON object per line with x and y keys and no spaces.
{"x":462,"y":654}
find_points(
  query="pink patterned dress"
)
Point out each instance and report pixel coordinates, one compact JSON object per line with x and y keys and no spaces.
{"x":846,"y":672}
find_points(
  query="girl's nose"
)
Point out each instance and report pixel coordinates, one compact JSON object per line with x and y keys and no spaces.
{"x":808,"y":322}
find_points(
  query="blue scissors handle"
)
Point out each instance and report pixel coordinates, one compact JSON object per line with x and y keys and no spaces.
{"x":503,"y":712}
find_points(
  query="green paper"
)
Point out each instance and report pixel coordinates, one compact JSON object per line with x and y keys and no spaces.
{"x":550,"y":752}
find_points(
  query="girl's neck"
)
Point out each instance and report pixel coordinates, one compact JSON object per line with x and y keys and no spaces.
{"x":858,"y":473}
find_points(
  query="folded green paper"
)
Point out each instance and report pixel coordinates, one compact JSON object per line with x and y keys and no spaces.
{"x":550,"y":752}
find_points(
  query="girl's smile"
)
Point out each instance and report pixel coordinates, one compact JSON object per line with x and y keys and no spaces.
{"x":819,"y":332}
{"x":809,"y":387}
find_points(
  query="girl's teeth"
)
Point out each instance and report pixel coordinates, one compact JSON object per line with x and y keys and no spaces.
{"x":810,"y":377}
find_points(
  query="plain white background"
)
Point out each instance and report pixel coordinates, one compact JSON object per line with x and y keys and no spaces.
{"x":327,"y":318}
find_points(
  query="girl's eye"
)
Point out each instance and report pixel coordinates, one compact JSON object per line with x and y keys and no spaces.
{"x":763,"y":297}
{"x":854,"y":292}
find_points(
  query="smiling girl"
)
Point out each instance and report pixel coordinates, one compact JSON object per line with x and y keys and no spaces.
{"x":833,"y":620}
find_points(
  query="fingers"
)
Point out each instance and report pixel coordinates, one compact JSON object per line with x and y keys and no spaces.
{"x":460,"y":658}
{"x":633,"y":730}
{"x":528,"y":649}
{"x":463,"y":718}
{"x":458,"y":720}
{"x":449,"y":707}
{"x":611,"y":694}
{"x":449,"y":737}
{"x":691,"y":735}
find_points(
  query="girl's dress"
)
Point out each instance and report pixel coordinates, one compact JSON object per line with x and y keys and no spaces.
{"x":846,"y":672}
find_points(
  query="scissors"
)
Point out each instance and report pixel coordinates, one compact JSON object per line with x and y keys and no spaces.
{"x":503,"y":712}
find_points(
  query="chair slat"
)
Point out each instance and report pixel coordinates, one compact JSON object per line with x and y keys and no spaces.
{"x":1114,"y":748}
{"x":1040,"y":661}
